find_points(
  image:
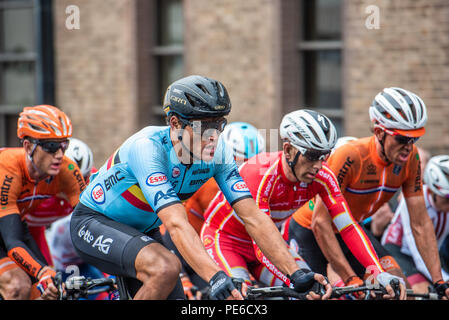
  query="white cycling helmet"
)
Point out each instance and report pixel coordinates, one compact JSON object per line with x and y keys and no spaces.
{"x":343,"y":140}
{"x":244,"y":138}
{"x":80,"y":152}
{"x":436,"y":175}
{"x":308,"y":130}
{"x":399,"y":110}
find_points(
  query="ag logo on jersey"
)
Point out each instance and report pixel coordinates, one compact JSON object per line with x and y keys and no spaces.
{"x":240,"y":186}
{"x":98,"y":194}
{"x":156,"y":179}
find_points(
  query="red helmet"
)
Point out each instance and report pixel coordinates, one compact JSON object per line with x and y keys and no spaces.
{"x":43,"y":122}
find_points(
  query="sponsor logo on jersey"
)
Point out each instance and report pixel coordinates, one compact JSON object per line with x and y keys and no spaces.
{"x":171,"y":193}
{"x":102,"y":245}
{"x":5,"y":190}
{"x":344,"y":170}
{"x":79,"y":178}
{"x":156,"y":179}
{"x":98,"y":195}
{"x":371,"y":169}
{"x":175,"y":172}
{"x":239,"y":186}
{"x":208,"y":241}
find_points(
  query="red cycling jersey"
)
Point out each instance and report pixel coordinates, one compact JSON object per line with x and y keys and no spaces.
{"x":279,"y":198}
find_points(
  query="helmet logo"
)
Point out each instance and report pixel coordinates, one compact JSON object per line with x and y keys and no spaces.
{"x":219,"y":107}
{"x":321,"y":119}
{"x":178,"y":99}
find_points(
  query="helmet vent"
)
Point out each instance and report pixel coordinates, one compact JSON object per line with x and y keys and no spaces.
{"x":203,"y":88}
{"x":192,"y":100}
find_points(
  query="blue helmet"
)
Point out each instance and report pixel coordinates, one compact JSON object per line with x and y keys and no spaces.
{"x":244,"y":139}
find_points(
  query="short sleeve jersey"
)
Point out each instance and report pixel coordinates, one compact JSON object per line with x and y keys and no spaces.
{"x":19,"y":194}
{"x":144,"y":175}
{"x":367,"y":181}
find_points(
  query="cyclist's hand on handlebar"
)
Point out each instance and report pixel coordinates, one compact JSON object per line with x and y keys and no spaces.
{"x":224,"y":287}
{"x":322,"y":289}
{"x":46,"y":284}
{"x":394,"y":286}
{"x":304,"y":280}
{"x":442,"y":289}
{"x":356,"y":282}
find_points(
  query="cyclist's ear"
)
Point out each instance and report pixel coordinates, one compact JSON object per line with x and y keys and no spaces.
{"x":289,"y":151}
{"x":174,"y":122}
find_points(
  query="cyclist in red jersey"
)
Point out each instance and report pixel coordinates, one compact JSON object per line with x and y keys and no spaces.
{"x":369,"y":171}
{"x":281,"y":182}
{"x":31,"y":178}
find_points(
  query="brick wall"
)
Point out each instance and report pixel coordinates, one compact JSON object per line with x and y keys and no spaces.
{"x":409,"y":50}
{"x":96,"y":72}
{"x":235,"y":41}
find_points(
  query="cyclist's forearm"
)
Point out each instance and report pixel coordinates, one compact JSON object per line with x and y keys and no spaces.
{"x":426,"y":243}
{"x":424,"y":234}
{"x":192,"y":249}
{"x":263,"y":231}
{"x":326,"y":239}
{"x":12,"y":232}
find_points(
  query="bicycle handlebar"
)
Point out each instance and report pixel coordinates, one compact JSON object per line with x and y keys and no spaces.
{"x":80,"y":287}
{"x":337,"y":292}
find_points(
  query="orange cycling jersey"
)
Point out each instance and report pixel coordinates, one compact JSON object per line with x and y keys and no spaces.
{"x":197,"y":204}
{"x":367,"y":181}
{"x":22,"y":195}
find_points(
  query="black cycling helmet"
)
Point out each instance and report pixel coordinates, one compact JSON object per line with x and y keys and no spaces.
{"x":196,"y":97}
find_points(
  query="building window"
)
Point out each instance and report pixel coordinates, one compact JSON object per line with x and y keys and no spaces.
{"x":320,"y":48}
{"x":25,"y":73}
{"x":168,"y":51}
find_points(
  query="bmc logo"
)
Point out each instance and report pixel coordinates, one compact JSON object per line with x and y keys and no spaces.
{"x":98,"y":194}
{"x":156,"y":179}
{"x":240,"y":186}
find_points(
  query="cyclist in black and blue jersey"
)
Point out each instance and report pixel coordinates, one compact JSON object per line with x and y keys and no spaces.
{"x":115,"y":225}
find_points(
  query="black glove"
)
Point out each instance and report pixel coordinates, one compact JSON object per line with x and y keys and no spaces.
{"x":302,"y":280}
{"x":221,"y":286}
{"x":441,"y":287}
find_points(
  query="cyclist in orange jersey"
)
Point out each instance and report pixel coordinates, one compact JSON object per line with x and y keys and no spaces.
{"x":246,"y":142}
{"x":35,"y":176}
{"x":369,"y":171}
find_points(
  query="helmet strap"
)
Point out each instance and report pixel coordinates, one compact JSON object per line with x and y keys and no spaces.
{"x":382,"y":146}
{"x":30,"y":157}
{"x":292,"y":164}
{"x":183,"y":125}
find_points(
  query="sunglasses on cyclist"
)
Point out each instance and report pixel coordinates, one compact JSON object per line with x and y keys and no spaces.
{"x":405,"y":140}
{"x":315,"y":155}
{"x":52,"y":146}
{"x":200,"y":126}
{"x":400,"y":138}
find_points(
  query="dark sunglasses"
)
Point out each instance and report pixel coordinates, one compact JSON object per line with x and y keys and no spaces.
{"x":315,"y":155}
{"x":405,"y":140}
{"x":200,"y":126}
{"x":52,"y":146}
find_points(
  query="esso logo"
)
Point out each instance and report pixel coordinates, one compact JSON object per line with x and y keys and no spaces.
{"x":98,"y":194}
{"x":240,"y":186}
{"x":156,"y":179}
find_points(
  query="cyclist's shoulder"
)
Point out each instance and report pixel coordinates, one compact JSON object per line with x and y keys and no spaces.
{"x":12,"y":161}
{"x":14,"y":155}
{"x":149,"y":140}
